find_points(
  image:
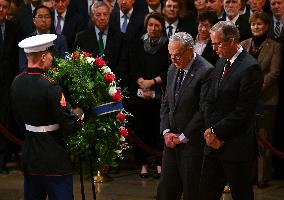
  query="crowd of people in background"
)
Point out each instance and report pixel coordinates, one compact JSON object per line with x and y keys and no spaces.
{"x":133,"y":36}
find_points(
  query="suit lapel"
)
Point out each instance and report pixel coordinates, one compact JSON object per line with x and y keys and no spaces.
{"x":233,"y":68}
{"x":186,"y":81}
{"x":172,"y":88}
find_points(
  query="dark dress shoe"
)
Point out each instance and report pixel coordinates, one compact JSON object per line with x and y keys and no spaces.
{"x":156,"y":175}
{"x":144,"y":175}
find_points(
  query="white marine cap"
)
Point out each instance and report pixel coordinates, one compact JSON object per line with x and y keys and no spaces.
{"x":37,"y":43}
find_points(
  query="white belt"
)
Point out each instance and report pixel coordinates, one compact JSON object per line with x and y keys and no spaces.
{"x":42,"y":129}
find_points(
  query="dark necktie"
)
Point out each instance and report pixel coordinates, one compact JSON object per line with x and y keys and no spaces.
{"x":170,"y":31}
{"x":277,"y":29}
{"x":124,"y":24}
{"x":226,"y":69}
{"x":101,"y":43}
{"x":179,"y":81}
{"x":58,"y":28}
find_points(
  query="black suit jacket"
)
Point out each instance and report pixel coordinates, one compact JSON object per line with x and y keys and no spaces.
{"x":24,"y":20}
{"x":135,"y":27}
{"x":73,"y":24}
{"x":244,"y":27}
{"x":230,"y":107}
{"x":183,"y":116}
{"x":8,"y":66}
{"x":115,"y":48}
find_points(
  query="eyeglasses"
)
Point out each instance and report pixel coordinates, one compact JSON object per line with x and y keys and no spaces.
{"x":43,"y":16}
{"x":218,"y":44}
{"x":178,"y":55}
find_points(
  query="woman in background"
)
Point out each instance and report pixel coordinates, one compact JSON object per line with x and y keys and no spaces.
{"x":268,"y":54}
{"x":149,"y":63}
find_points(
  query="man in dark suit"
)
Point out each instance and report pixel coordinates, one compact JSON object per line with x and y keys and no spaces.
{"x":8,"y":70}
{"x":229,"y":114}
{"x":24,"y":18}
{"x":127,"y":20}
{"x":181,"y":121}
{"x":276,"y":29}
{"x":232,"y":9}
{"x":174,"y":23}
{"x":42,"y":19}
{"x":100,"y":39}
{"x":67,"y":22}
{"x":217,"y":6}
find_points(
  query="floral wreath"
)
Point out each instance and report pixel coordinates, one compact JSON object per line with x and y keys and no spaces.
{"x":91,"y":85}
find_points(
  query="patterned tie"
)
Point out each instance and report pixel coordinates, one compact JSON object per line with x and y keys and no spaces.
{"x":170,"y":31}
{"x":101,"y":43}
{"x":277,"y":29}
{"x":226,"y":69}
{"x":124,"y":24}
{"x":58,"y":26}
{"x":179,"y":80}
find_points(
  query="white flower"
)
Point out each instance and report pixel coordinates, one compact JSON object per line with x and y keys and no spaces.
{"x":118,"y":151}
{"x":90,"y":60}
{"x":112,"y":90}
{"x":122,"y":138}
{"x":106,"y":69}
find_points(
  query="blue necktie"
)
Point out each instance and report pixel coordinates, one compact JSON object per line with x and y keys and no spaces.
{"x":170,"y":31}
{"x":277,"y":29}
{"x":124,"y":24}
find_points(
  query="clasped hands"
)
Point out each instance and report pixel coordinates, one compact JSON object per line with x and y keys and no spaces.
{"x":171,"y":139}
{"x":212,"y":140}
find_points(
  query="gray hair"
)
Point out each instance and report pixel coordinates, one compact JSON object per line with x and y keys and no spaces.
{"x":228,"y":29}
{"x":184,"y":38}
{"x":98,"y":4}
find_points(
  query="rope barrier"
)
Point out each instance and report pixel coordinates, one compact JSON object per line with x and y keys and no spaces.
{"x":9,"y":136}
{"x":144,"y":146}
{"x":269,"y":146}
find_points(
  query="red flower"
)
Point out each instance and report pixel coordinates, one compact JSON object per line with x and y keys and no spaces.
{"x":108,"y":78}
{"x":117,"y":96}
{"x":86,"y":54}
{"x":123,"y":131}
{"x":75,"y":55}
{"x":100,"y":62}
{"x":120,"y":116}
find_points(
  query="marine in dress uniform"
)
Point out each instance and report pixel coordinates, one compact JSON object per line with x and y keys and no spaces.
{"x":40,"y":108}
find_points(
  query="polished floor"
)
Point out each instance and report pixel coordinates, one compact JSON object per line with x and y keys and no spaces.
{"x":124,"y":186}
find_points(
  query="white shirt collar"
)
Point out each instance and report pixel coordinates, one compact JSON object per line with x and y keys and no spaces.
{"x":174,"y":25}
{"x":159,"y":9}
{"x":232,"y":60}
{"x":98,"y":30}
{"x":234,"y":19}
{"x":128,"y":14}
{"x":190,"y":63}
{"x":62,"y":15}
